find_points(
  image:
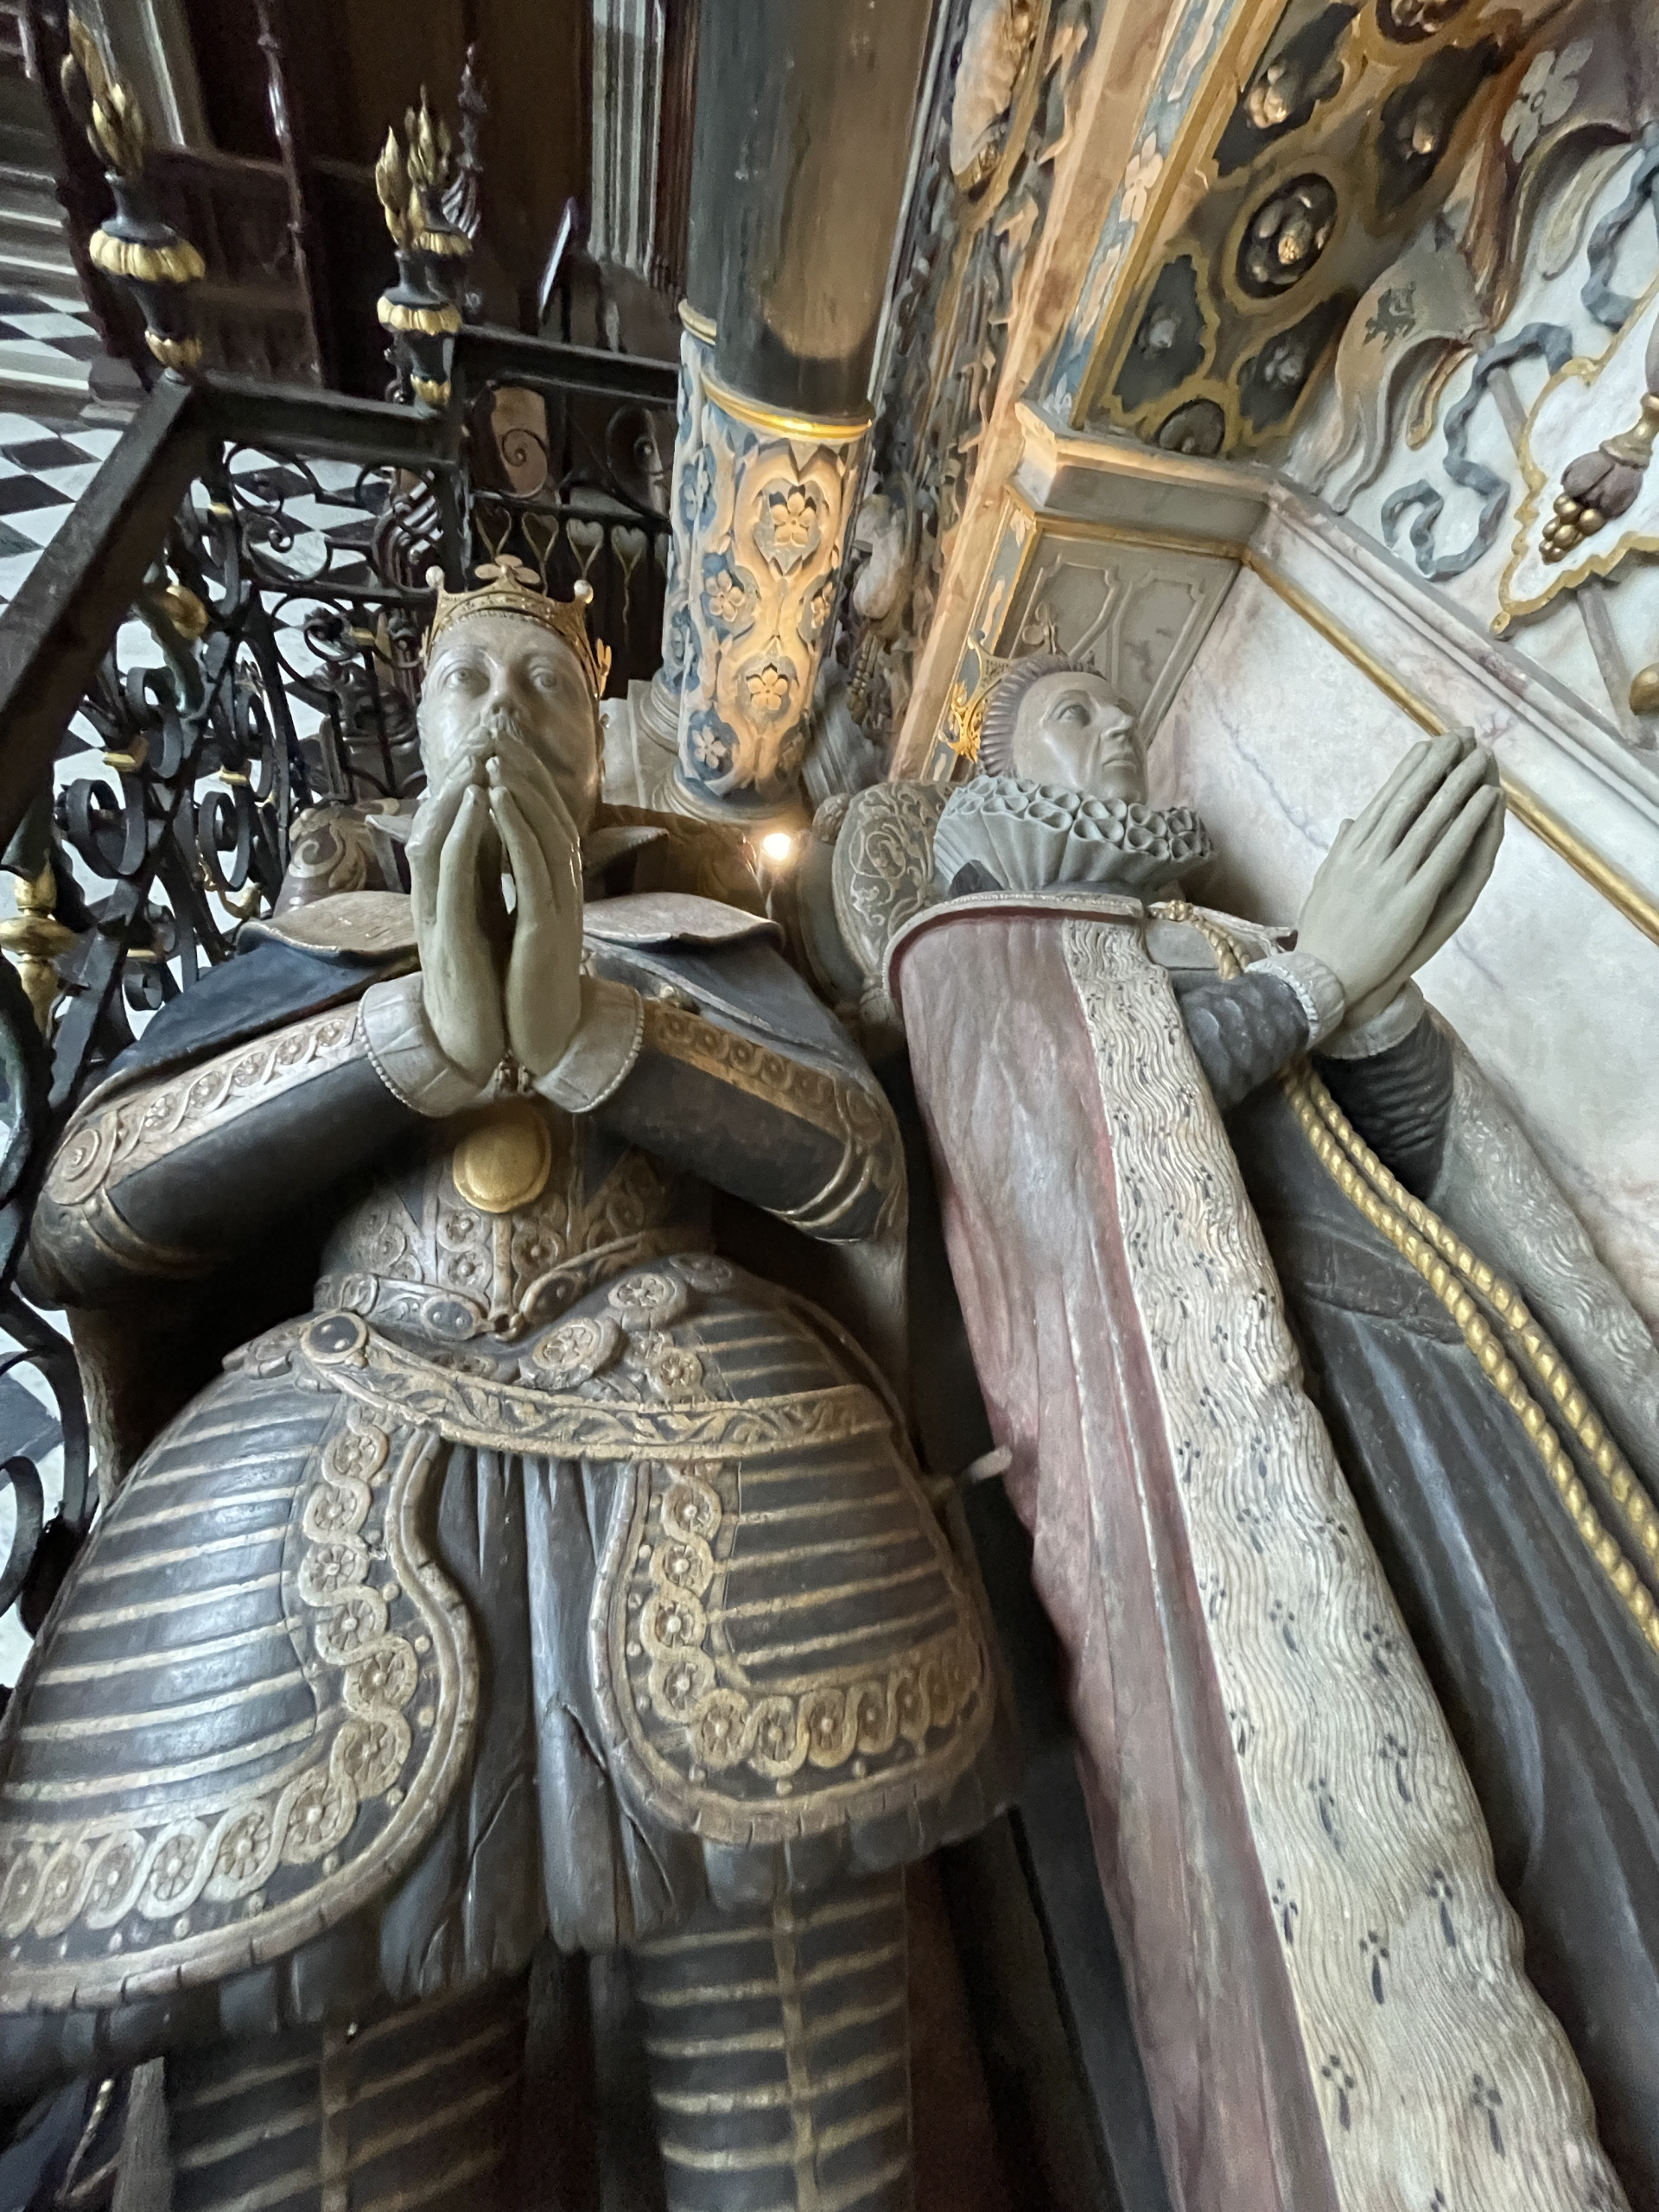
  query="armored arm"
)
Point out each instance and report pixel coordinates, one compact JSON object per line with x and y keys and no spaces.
{"x":1243,"y":1030}
{"x":162,"y":1179}
{"x":1392,"y":1079}
{"x":714,"y":1056}
{"x":804,"y":1134}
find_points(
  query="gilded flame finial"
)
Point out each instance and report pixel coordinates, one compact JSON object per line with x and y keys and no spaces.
{"x":106,"y":110}
{"x":410,"y":179}
{"x":392,"y":188}
{"x":134,"y":246}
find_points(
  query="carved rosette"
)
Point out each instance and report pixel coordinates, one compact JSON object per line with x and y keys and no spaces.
{"x":773,"y":511}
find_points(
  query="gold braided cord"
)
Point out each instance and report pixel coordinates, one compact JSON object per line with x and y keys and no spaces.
{"x":1463,"y":1282}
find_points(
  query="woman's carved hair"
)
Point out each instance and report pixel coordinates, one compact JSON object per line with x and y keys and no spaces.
{"x":1002,"y":708}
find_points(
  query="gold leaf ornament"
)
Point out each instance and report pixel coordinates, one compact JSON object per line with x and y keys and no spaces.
{"x":428,"y":146}
{"x":105,"y":108}
{"x":392,"y":186}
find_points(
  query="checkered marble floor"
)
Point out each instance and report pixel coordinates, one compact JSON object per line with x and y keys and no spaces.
{"x":25,"y":320}
{"x":44,"y":468}
{"x":45,"y":346}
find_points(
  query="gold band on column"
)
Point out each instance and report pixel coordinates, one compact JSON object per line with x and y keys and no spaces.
{"x":700,"y":326}
{"x":824,"y":429}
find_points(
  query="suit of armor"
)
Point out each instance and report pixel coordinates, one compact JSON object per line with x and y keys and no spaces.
{"x":552,"y":1582}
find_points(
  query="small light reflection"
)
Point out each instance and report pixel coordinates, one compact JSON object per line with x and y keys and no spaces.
{"x":778,"y":849}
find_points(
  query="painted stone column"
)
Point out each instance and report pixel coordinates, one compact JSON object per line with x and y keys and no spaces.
{"x":776,"y":494}
{"x":803,"y":120}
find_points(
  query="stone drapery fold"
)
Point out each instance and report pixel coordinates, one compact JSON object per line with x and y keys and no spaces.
{"x":1325,"y":1977}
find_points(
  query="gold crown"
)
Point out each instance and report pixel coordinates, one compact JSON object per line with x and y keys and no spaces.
{"x":510,"y":587}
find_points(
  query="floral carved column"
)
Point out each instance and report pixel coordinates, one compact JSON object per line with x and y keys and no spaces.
{"x":770,"y":498}
{"x":803,"y":115}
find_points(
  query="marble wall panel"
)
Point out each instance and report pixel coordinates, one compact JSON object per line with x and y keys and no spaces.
{"x":1136,"y":612}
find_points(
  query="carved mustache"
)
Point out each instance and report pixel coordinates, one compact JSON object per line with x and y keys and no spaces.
{"x":499,"y":732}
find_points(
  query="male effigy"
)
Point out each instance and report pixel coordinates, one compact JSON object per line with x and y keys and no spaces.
{"x":549,"y":1581}
{"x":1331,"y":1431}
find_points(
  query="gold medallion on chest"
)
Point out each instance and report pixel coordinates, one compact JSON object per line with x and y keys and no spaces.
{"x":504,"y":1160}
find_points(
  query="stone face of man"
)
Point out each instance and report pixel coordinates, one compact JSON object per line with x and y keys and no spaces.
{"x":500,"y":687}
{"x":1071,"y":731}
{"x":508,"y":735}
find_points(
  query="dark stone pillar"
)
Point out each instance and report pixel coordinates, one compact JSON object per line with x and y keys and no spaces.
{"x":803,"y":117}
{"x":814,"y":99}
{"x":714,"y":167}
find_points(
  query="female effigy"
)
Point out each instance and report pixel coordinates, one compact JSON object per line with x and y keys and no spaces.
{"x":1331,"y":1432}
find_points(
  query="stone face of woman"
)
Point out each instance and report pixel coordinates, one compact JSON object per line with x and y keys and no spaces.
{"x":500,"y":687}
{"x":1072,"y":732}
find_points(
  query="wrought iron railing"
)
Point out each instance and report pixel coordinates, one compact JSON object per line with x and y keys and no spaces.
{"x":225,"y":630}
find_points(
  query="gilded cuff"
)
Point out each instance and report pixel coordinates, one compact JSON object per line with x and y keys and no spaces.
{"x":1321,"y":995}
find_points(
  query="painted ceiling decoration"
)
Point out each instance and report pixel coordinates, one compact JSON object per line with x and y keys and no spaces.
{"x":1251,"y":224}
{"x":1559,"y":178}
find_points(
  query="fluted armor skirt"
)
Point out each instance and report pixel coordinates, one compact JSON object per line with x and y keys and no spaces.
{"x":396,"y":1654}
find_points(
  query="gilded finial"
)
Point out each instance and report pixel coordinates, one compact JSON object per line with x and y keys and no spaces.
{"x":106,"y":109}
{"x":134,"y":246}
{"x":410,"y":179}
{"x":428,"y":146}
{"x":392,"y":186}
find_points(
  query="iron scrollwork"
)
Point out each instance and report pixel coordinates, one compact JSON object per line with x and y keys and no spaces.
{"x":271,"y":666}
{"x":281,"y":597}
{"x":578,"y":489}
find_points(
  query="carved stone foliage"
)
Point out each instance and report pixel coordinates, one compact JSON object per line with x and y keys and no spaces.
{"x":762,"y":569}
{"x":684,"y":484}
{"x":1496,"y":392}
{"x":883,"y":874}
{"x":996,"y":42}
{"x":1250,"y":223}
{"x":999,"y":117}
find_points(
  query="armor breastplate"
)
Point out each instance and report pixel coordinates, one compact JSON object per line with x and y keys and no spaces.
{"x":503,"y":1219}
